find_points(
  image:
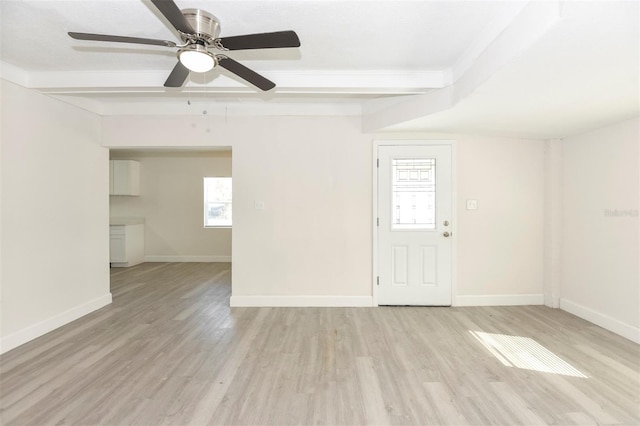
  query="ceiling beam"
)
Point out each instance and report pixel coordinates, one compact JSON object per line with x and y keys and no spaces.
{"x":308,"y":82}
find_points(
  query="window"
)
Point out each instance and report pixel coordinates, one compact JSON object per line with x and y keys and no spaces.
{"x":217,"y":201}
{"x":414,"y":193}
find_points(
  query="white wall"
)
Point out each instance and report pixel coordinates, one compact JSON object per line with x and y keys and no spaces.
{"x":55,"y":258}
{"x":600,"y":272}
{"x":314,"y":236}
{"x":500,"y":245}
{"x":1,"y":209}
{"x":171,"y":202}
{"x":313,"y":174}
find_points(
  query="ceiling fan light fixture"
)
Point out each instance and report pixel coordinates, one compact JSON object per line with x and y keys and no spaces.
{"x":197,"y":58}
{"x":199,"y":31}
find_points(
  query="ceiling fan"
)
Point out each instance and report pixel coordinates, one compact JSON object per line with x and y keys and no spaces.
{"x":199,"y":31}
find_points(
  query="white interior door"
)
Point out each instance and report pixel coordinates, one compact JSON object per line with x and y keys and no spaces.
{"x":414,"y":225}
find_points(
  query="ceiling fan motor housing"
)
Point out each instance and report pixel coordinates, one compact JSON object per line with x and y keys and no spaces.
{"x":205,"y":26}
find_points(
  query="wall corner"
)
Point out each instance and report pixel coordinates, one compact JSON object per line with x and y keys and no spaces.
{"x":553,"y":217}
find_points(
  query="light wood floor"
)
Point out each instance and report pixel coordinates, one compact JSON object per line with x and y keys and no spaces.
{"x":169,"y":350}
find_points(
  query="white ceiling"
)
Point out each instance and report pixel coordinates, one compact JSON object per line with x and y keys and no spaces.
{"x":523,"y":68}
{"x":343,"y":35}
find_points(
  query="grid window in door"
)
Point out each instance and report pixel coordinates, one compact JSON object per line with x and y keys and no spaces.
{"x":413,"y":193}
{"x":217,"y":201}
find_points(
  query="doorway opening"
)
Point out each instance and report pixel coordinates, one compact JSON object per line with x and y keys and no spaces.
{"x":156,"y":204}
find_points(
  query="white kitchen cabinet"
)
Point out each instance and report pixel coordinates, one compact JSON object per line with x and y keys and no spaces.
{"x":124,"y":177}
{"x":126,"y":245}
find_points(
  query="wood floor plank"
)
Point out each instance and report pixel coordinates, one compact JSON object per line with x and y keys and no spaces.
{"x":444,"y":405}
{"x":169,"y":350}
{"x":589,"y":405}
{"x":206,"y":407}
{"x":517,"y":405}
{"x":374,"y":405}
{"x":580,"y":419}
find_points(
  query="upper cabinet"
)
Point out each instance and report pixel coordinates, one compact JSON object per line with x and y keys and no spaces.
{"x":124,"y":177}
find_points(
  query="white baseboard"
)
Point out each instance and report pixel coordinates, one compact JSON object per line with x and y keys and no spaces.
{"x":226,"y":259}
{"x":301,"y":301}
{"x":43,"y":327}
{"x":605,"y":321}
{"x":500,"y":300}
{"x":551,"y":301}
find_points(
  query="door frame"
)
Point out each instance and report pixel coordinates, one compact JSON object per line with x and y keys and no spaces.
{"x":454,"y":211}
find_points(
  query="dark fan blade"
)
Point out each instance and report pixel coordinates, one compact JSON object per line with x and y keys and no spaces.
{"x":245,"y":73}
{"x":170,"y":11}
{"x":261,"y":41}
{"x":121,"y":39}
{"x":177,"y":76}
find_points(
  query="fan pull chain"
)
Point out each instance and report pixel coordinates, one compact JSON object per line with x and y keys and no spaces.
{"x":204,"y":100}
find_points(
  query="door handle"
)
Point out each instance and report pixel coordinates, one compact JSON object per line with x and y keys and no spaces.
{"x":446,"y":234}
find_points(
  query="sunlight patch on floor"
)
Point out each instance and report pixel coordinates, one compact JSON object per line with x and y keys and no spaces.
{"x":525,"y":353}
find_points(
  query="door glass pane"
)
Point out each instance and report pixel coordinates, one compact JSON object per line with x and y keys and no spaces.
{"x":413,"y":193}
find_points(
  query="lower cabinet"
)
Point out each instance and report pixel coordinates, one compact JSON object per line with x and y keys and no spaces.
{"x":126,"y":245}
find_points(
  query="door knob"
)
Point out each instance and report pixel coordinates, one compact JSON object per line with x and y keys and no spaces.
{"x":446,"y":234}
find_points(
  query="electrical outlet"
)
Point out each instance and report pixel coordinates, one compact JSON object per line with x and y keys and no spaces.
{"x":472,"y":204}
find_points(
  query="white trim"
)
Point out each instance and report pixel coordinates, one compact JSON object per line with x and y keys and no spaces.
{"x":43,"y":327}
{"x":454,"y":209}
{"x":301,"y":301}
{"x":499,"y":300}
{"x":13,"y":74}
{"x":374,"y":223}
{"x":605,"y":321}
{"x":454,"y":220}
{"x":334,"y":81}
{"x":225,"y":259}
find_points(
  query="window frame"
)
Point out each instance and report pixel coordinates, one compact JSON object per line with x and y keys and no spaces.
{"x":207,"y":202}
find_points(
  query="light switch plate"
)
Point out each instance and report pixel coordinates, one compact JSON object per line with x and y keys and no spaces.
{"x":472,"y":204}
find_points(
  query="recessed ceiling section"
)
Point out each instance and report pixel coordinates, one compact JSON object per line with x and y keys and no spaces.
{"x":572,"y":79}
